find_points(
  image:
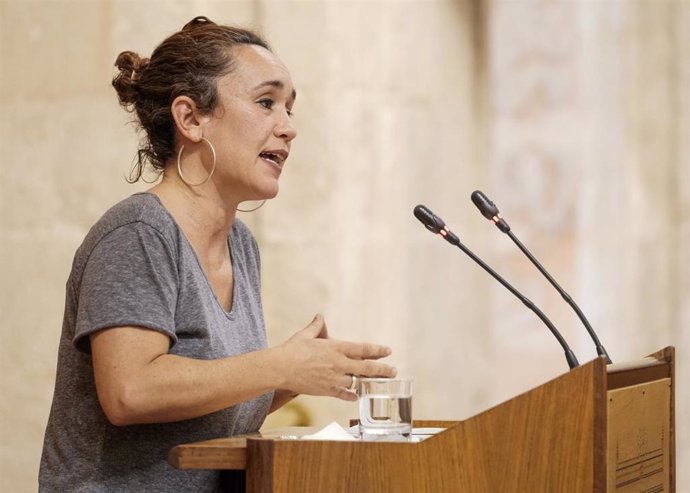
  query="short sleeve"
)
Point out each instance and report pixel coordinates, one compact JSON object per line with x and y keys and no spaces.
{"x":130,"y":279}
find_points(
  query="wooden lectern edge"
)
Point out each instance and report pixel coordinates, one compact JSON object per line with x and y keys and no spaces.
{"x":629,"y":365}
{"x":227,"y":453}
{"x":655,"y":366}
{"x":231,"y":452}
{"x":668,"y":354}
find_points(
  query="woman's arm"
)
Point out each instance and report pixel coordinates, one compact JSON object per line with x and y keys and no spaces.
{"x":139,"y":382}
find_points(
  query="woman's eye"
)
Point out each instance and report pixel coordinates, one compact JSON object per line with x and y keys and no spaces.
{"x":266,"y":103}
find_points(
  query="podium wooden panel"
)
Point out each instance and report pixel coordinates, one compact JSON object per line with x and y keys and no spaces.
{"x":593,"y":429}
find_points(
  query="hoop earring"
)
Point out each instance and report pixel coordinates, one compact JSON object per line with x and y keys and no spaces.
{"x":255,"y":208}
{"x":213,"y":168}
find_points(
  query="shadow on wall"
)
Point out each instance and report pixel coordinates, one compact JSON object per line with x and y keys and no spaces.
{"x":294,"y":413}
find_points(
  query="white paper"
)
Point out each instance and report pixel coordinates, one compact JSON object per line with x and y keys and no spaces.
{"x":336,"y":432}
{"x":331,"y":432}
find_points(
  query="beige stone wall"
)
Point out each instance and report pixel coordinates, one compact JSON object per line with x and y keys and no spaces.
{"x":573,"y":116}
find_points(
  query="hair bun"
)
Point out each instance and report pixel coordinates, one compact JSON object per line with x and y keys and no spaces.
{"x":130,"y":65}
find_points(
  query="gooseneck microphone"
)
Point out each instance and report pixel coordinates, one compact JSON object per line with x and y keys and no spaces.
{"x":436,"y":225}
{"x":490,"y":211}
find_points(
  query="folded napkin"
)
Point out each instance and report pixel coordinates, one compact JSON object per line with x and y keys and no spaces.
{"x":331,"y":432}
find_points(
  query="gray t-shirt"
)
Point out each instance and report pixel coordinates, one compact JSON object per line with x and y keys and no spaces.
{"x":136,"y":268}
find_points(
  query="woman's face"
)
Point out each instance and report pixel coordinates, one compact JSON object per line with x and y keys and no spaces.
{"x":252,"y":128}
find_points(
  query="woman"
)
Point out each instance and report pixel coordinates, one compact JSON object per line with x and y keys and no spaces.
{"x":163,"y":338}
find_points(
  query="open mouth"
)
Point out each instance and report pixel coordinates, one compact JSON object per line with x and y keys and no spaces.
{"x":274,"y":158}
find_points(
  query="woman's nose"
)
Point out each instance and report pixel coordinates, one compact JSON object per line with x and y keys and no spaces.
{"x":285,"y":129}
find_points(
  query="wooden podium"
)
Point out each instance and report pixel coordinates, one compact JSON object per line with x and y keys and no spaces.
{"x":593,"y":429}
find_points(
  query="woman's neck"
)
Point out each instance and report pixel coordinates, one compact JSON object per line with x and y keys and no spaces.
{"x":200,"y":212}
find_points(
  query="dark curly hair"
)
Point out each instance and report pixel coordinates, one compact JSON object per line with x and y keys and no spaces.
{"x":188,"y":63}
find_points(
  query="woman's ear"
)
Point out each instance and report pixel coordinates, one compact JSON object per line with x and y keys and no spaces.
{"x":188,"y":120}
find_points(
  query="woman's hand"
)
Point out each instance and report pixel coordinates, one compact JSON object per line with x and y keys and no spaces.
{"x":317,"y":365}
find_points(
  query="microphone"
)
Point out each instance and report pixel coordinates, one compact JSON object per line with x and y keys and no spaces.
{"x":436,"y":225}
{"x":490,"y":211}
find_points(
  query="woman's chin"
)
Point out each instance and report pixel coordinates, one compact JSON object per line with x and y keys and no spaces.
{"x":259,"y":197}
{"x":271,"y":192}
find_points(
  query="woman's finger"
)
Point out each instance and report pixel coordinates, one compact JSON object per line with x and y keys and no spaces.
{"x":345,"y":395}
{"x":370,"y":368}
{"x":364,"y":350}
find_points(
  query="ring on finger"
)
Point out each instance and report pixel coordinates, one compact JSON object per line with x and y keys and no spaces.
{"x":353,"y":383}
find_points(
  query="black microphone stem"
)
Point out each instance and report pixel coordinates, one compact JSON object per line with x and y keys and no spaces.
{"x":490,"y":211}
{"x":601,"y":351}
{"x":569,"y":355}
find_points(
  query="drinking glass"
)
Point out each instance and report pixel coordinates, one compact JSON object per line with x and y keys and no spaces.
{"x":385,"y":409}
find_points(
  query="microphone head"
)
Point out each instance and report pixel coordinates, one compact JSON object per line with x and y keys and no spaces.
{"x":432,"y":222}
{"x":485,"y":206}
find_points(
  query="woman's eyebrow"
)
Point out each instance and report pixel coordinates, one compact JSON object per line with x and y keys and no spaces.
{"x":276,"y":84}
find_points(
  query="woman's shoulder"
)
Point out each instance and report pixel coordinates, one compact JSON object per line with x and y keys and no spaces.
{"x":141,"y":210}
{"x":137,"y":220}
{"x":143,"y":206}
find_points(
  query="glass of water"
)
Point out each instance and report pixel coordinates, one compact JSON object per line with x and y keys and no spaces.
{"x":385,"y":409}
